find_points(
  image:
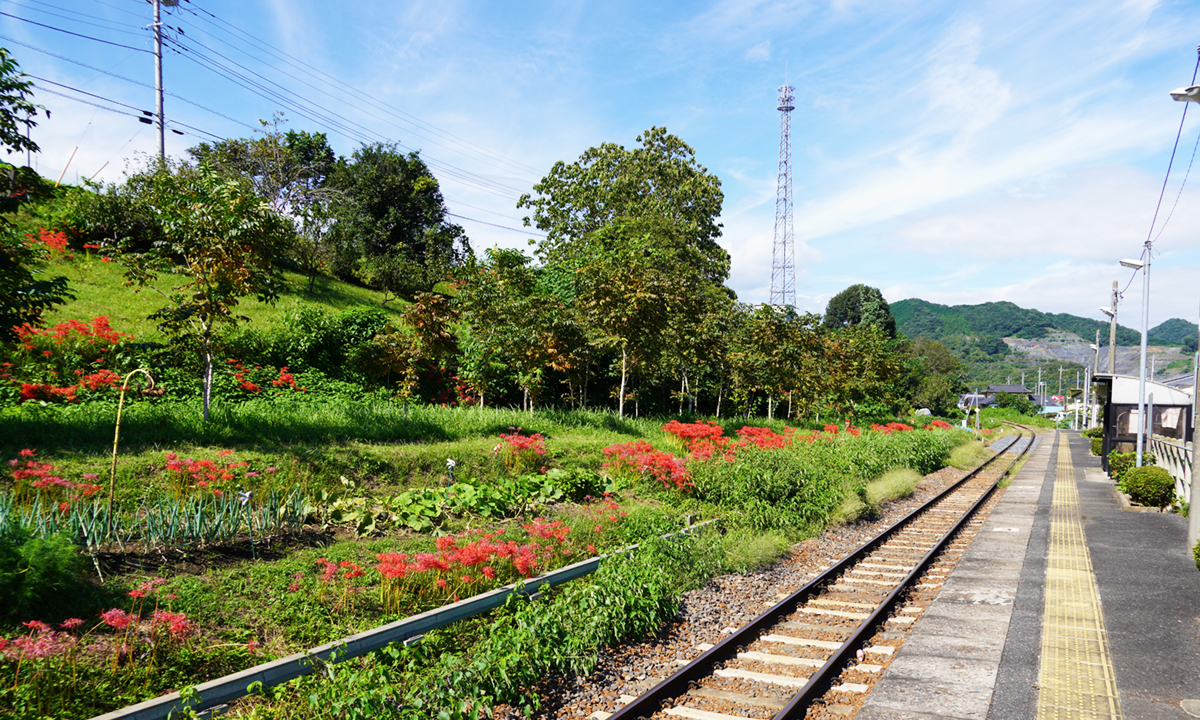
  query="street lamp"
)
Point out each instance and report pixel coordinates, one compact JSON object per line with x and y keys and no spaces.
{"x":1144,"y":266}
{"x":1192,"y":94}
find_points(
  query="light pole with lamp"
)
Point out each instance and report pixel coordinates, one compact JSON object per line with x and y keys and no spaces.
{"x":1144,"y":266}
{"x":1192,"y":94}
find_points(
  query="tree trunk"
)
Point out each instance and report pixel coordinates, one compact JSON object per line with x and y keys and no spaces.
{"x":480,"y":399}
{"x":720,"y":394}
{"x":770,"y":407}
{"x":621,"y":397}
{"x":208,"y":374}
{"x":682,"y":389}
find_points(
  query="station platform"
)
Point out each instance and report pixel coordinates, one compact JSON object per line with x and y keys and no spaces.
{"x":1065,"y":606}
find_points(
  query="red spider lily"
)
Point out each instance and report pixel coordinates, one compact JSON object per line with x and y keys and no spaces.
{"x":177,"y":625}
{"x":117,"y":618}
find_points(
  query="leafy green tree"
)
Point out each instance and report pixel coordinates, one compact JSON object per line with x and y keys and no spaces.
{"x":220,"y":239}
{"x":860,"y":304}
{"x":289,"y":171}
{"x":637,"y":277}
{"x":659,"y":180}
{"x":16,"y":109}
{"x":1020,"y":403}
{"x":514,"y":329}
{"x":23,"y":296}
{"x":935,"y":376}
{"x":391,"y":228}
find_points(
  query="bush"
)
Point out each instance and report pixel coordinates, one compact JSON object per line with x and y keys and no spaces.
{"x":1097,"y":446}
{"x":1149,"y":486}
{"x":1094,"y":432}
{"x":1119,"y":463}
{"x":41,"y":578}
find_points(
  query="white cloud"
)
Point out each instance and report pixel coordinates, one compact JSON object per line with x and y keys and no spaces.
{"x":1095,"y":213}
{"x":760,"y":52}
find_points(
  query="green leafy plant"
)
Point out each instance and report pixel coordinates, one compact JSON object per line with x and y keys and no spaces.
{"x":1119,"y":463}
{"x":1097,"y":446}
{"x":1149,"y":485}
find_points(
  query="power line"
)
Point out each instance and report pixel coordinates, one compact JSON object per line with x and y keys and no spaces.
{"x":502,"y":227}
{"x":126,"y":79}
{"x":68,"y":32}
{"x":329,"y":116}
{"x":83,"y":22}
{"x":340,"y":86}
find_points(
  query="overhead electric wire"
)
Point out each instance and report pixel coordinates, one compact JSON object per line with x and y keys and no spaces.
{"x":502,"y":227}
{"x":68,"y":32}
{"x":1148,"y":246}
{"x":35,"y":8}
{"x":128,"y":80}
{"x":322,"y":115}
{"x":1172,"y":160}
{"x":85,"y":92}
{"x":141,"y":113}
{"x":489,"y":156}
{"x":337,"y":84}
{"x":327,"y":114}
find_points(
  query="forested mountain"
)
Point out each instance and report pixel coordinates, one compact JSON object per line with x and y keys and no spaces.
{"x":920,"y":318}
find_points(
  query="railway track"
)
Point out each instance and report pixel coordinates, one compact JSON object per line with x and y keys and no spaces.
{"x":817,"y":652}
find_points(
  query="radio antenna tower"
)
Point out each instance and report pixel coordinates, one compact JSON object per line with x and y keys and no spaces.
{"x":783,"y":260}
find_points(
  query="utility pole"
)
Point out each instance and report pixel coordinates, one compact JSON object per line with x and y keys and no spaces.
{"x":1112,"y":331}
{"x":158,"y":80}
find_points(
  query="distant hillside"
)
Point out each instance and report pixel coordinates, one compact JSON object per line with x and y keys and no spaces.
{"x":919,"y":318}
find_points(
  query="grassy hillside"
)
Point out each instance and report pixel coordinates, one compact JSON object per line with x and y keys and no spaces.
{"x":99,"y":290}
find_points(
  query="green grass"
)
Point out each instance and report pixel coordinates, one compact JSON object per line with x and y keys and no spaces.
{"x":968,"y":455}
{"x":99,"y":290}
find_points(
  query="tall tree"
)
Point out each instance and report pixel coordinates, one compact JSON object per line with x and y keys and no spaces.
{"x":860,"y":304}
{"x":23,"y":295}
{"x":514,"y":329}
{"x":392,"y":229}
{"x":221,"y":240}
{"x":16,"y":109}
{"x":289,"y":171}
{"x":659,"y":180}
{"x":637,"y":279}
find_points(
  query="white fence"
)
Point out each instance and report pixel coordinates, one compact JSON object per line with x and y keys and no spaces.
{"x":1176,"y":457}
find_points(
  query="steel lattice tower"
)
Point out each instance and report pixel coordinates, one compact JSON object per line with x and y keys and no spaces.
{"x":783,"y":261}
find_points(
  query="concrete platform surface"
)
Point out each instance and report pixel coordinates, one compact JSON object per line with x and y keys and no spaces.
{"x":977,"y":652}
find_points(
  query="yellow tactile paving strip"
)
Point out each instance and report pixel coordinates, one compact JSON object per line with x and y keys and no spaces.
{"x":1077,"y":679}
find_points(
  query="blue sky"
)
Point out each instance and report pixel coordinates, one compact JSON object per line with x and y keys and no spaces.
{"x":958,"y":152}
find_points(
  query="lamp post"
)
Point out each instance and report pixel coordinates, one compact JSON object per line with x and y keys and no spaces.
{"x":1192,"y":94}
{"x":1144,"y":266}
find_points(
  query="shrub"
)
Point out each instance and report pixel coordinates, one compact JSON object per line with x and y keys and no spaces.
{"x":1119,"y":463}
{"x":1097,"y":446}
{"x":1149,"y":486}
{"x":40,"y":577}
{"x":1094,"y":432}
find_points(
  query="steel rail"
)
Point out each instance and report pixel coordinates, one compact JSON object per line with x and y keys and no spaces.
{"x":679,"y":683}
{"x":822,"y":680}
